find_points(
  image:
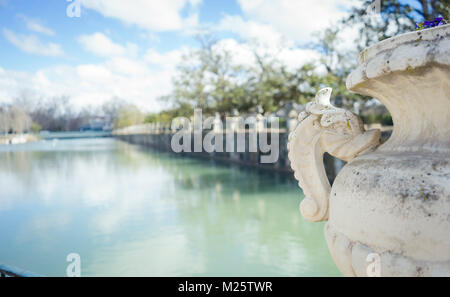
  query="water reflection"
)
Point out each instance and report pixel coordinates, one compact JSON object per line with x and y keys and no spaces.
{"x":128,"y":211}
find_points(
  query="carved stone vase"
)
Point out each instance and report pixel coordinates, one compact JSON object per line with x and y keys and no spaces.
{"x":391,"y":202}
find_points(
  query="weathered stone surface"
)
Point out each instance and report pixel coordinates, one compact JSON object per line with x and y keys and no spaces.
{"x":394,"y":201}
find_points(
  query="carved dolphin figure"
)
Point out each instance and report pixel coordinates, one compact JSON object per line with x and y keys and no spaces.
{"x":324,"y":128}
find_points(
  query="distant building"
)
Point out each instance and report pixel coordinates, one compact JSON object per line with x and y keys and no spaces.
{"x":98,"y":124}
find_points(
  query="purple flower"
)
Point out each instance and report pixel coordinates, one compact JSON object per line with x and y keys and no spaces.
{"x":430,"y":24}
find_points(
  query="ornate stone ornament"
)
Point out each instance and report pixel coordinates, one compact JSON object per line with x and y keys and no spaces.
{"x":324,"y":128}
{"x":390,"y":200}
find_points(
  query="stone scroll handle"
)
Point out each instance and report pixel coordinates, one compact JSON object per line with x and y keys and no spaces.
{"x":324,"y":128}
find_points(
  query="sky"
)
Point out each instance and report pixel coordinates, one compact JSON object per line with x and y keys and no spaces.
{"x":130,"y":49}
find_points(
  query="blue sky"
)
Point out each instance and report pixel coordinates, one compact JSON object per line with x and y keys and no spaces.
{"x":52,"y":14}
{"x":129,"y":49}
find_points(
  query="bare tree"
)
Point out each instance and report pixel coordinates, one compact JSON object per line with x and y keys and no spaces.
{"x":20,"y":120}
{"x":111,"y":109}
{"x":5,"y":121}
{"x":56,"y":113}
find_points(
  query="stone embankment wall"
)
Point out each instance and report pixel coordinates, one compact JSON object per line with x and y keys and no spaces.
{"x":161,"y":141}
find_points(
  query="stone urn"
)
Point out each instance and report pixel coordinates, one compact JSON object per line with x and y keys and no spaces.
{"x":388,"y":210}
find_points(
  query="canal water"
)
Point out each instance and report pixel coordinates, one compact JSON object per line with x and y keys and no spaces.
{"x":128,"y":211}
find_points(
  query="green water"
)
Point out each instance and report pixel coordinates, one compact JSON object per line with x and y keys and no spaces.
{"x":128,"y":211}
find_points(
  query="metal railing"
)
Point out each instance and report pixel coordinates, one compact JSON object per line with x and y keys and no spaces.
{"x":9,"y":271}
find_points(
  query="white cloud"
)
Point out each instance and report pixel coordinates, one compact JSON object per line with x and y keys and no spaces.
{"x":35,"y":26}
{"x":276,"y":28}
{"x":250,"y":30}
{"x":128,"y":67}
{"x":101,"y":45}
{"x":168,"y":60}
{"x":292,"y":58}
{"x":264,"y":40}
{"x":153,"y":15}
{"x":137,"y":80}
{"x":240,"y":53}
{"x":294,"y":18}
{"x":296,"y":57}
{"x":32,"y":44}
{"x":93,"y":74}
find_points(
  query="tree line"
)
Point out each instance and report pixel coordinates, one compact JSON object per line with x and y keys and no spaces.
{"x":14,"y":119}
{"x":208,"y":79}
{"x":25,"y":114}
